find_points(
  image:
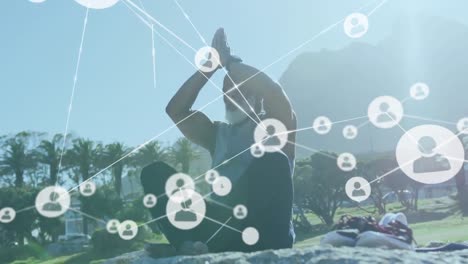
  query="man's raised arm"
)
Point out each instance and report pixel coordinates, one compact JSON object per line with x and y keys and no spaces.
{"x":193,"y":124}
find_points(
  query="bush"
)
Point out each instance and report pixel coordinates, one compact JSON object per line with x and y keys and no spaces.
{"x":9,"y":254}
{"x":106,"y":245}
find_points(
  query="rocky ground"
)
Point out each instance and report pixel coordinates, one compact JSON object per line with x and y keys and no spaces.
{"x":318,"y":254}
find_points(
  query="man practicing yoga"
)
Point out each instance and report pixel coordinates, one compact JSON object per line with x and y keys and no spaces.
{"x":263,"y":185}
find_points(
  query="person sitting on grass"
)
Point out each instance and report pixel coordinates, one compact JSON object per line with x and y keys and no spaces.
{"x":263,"y":185}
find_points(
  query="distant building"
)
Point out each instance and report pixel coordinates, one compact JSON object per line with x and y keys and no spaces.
{"x":73,"y":220}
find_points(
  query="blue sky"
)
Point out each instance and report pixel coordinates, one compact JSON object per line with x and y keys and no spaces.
{"x":115,"y":98}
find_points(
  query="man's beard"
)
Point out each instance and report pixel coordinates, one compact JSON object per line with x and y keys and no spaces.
{"x":236,"y":115}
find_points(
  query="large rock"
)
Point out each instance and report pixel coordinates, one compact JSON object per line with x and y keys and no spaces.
{"x":323,"y":255}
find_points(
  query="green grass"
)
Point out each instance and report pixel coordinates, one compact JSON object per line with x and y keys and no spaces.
{"x":436,"y":220}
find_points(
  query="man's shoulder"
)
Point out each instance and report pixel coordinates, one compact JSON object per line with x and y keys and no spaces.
{"x":218,"y":124}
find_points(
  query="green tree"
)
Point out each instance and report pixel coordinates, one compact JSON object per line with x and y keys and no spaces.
{"x":373,"y":170}
{"x":48,"y":152}
{"x":17,"y":158}
{"x":85,"y":156}
{"x":20,"y":198}
{"x":183,"y":153}
{"x":112,"y":153}
{"x":319,"y":185}
{"x":151,"y":152}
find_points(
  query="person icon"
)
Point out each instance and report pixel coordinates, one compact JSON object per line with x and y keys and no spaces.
{"x":113,"y":227}
{"x":211,"y":177}
{"x":207,"y":57}
{"x":6,"y":215}
{"x":186,"y":214}
{"x":258,"y":150}
{"x":420,"y":91}
{"x":52,"y":205}
{"x":88,"y":189}
{"x":465,"y":126}
{"x":430,"y":160}
{"x":346,"y":163}
{"x":322,"y":126}
{"x":385,"y":115}
{"x":350,"y":132}
{"x":180,"y":185}
{"x":128,"y":231}
{"x":240,"y":212}
{"x":356,"y":26}
{"x":358,"y":192}
{"x":149,"y":200}
{"x":271,"y":139}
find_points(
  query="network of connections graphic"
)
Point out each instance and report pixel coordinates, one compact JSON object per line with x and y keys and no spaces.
{"x":429,"y":153}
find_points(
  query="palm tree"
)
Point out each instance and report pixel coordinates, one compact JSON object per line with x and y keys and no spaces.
{"x":17,"y":158}
{"x":112,"y":153}
{"x":48,"y":152}
{"x":151,"y":152}
{"x":183,"y":152}
{"x":84,"y":155}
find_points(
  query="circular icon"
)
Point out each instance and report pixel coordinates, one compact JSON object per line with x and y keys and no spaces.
{"x":346,"y":162}
{"x":87,"y":188}
{"x":358,"y":189}
{"x":385,"y":112}
{"x":272,"y":134}
{"x":188,"y":213}
{"x":240,"y":211}
{"x":52,"y":201}
{"x":250,"y":236}
{"x":207,"y":59}
{"x":7,"y":215}
{"x":37,"y":1}
{"x":211,"y":176}
{"x":128,"y":230}
{"x":350,"y":132}
{"x":112,"y":226}
{"x":419,"y":91}
{"x":430,"y":154}
{"x":150,"y":200}
{"x":222,"y":186}
{"x":462,"y":126}
{"x":257,"y":150}
{"x":179,"y":187}
{"x":322,"y":125}
{"x":97,"y":4}
{"x":356,"y":25}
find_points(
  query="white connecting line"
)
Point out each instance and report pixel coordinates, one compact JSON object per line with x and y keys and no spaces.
{"x":225,"y":71}
{"x":195,"y":67}
{"x":314,"y":127}
{"x":429,"y":119}
{"x":190,"y":21}
{"x":217,"y":231}
{"x":217,"y":98}
{"x":153,"y":49}
{"x":194,"y":50}
{"x":75,"y":80}
{"x":411,"y":161}
{"x":87,"y":215}
{"x":313,"y":150}
{"x":309,"y":41}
